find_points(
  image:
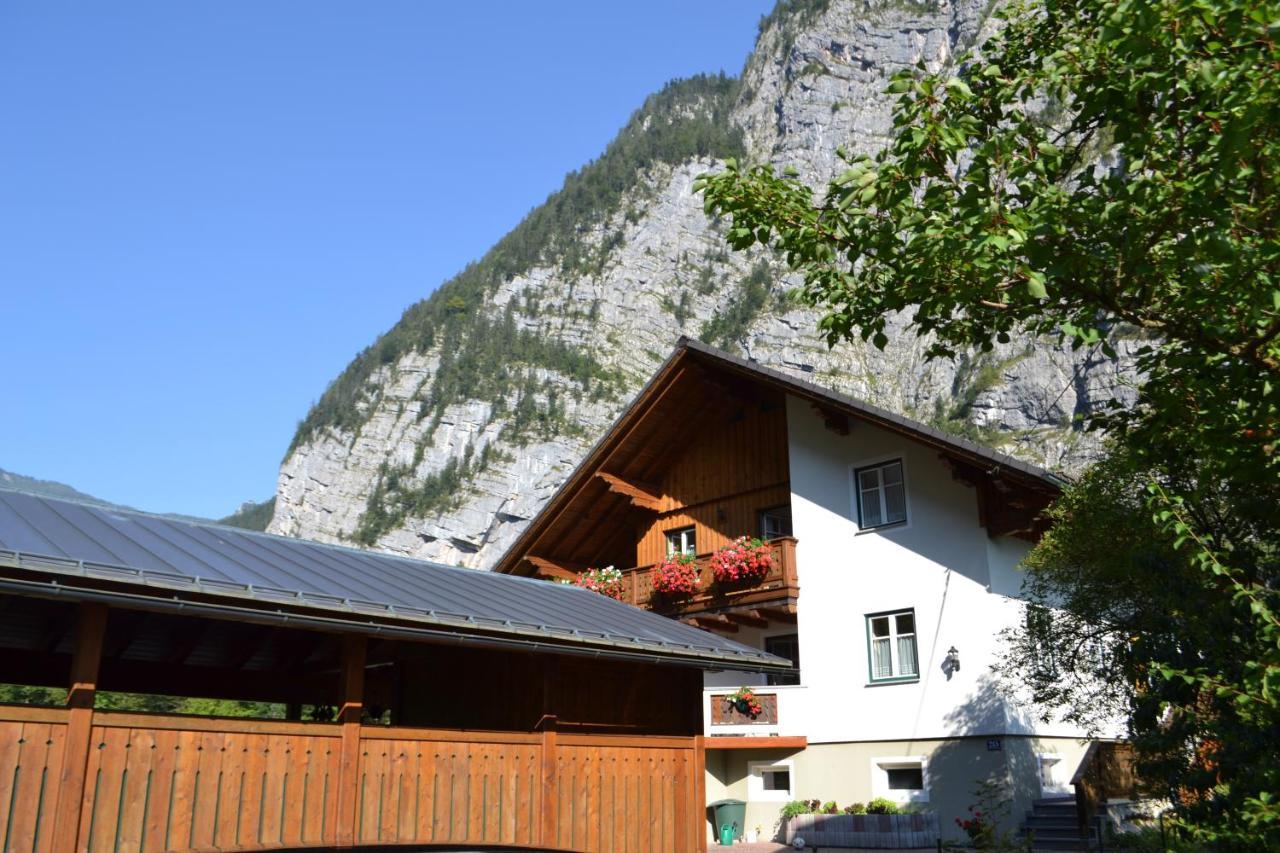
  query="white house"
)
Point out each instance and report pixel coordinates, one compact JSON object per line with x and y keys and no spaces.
{"x":895,"y":567}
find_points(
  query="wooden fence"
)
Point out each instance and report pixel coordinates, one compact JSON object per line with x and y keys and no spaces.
{"x":160,"y":783}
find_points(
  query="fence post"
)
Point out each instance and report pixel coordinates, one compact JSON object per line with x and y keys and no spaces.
{"x":700,"y":792}
{"x":353,"y":660}
{"x":550,"y":794}
{"x":91,"y":625}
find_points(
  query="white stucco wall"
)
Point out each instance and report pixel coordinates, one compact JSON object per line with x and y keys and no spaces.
{"x":961,"y":584}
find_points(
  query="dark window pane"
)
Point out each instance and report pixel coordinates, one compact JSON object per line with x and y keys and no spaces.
{"x":786,"y":646}
{"x":905,"y":779}
{"x":777,"y":780}
{"x":906,"y":623}
{"x":880,"y":626}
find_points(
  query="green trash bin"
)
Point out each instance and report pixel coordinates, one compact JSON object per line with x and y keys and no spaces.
{"x":730,"y":818}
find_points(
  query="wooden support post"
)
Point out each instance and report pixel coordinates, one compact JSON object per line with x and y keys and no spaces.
{"x":700,"y":792}
{"x":91,"y":626}
{"x":354,"y":649}
{"x":550,"y":794}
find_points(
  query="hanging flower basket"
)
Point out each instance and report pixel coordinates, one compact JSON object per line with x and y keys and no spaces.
{"x":606,"y":581}
{"x":745,"y":702}
{"x":677,"y":576}
{"x":743,"y":561}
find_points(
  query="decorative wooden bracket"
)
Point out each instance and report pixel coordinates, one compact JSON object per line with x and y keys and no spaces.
{"x":753,"y":618}
{"x":837,"y":422}
{"x":643,"y":495}
{"x":552,"y":569}
{"x":714,"y":623}
{"x":786,"y":615}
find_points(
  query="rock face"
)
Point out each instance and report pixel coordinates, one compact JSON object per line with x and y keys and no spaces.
{"x":420,"y":452}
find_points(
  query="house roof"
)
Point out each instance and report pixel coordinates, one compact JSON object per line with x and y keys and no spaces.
{"x":691,"y":358}
{"x":861,"y":409}
{"x":65,"y":549}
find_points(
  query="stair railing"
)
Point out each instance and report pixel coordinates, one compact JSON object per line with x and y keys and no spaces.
{"x":1105,"y":771}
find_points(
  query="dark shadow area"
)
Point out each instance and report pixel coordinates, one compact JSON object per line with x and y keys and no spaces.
{"x":995,"y":773}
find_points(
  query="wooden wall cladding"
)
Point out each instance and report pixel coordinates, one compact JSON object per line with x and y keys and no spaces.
{"x":157,"y":787}
{"x":721,"y":481}
{"x":477,"y":688}
{"x":413,"y":790}
{"x":625,"y":798}
{"x":162,"y":783}
{"x":30,"y":760}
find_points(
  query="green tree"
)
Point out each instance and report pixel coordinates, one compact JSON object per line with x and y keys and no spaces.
{"x":1102,"y":171}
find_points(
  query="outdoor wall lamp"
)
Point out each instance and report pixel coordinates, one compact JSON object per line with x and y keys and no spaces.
{"x":953,"y":659}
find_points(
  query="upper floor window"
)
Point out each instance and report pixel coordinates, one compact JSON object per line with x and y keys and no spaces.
{"x":775,"y":522}
{"x":882,"y":494}
{"x":681,"y":541}
{"x":892,"y":638}
{"x":784,"y":646}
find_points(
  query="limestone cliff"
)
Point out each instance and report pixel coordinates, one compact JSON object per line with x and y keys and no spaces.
{"x":451,"y":430}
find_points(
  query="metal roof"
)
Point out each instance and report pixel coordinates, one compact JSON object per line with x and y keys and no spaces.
{"x":69,"y":547}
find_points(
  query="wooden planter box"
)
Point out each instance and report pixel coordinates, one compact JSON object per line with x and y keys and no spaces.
{"x":890,"y":831}
{"x":725,"y":714}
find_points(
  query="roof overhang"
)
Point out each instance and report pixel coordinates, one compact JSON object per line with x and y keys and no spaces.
{"x":41,"y":576}
{"x":972,"y":460}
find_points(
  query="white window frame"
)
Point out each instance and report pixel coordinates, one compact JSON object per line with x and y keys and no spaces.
{"x":897,"y":677}
{"x":880,"y":768}
{"x":692,"y":534}
{"x":756,"y":791}
{"x":855,"y":494}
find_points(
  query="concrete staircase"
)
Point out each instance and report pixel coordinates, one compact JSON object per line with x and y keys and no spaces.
{"x":1051,"y":824}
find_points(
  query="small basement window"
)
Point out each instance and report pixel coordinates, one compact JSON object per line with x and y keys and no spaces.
{"x":905,"y":778}
{"x":902,"y":779}
{"x":881,"y":494}
{"x":769,"y":780}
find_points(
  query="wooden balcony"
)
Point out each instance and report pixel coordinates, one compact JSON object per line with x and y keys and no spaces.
{"x":772,"y":597}
{"x":725,"y":713}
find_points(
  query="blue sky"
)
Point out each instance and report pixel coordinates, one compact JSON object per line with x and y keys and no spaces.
{"x":206,"y":209}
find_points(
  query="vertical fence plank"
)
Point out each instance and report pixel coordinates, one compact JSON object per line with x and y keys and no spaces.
{"x":550,"y":790}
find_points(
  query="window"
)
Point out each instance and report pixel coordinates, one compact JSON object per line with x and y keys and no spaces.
{"x":769,"y":780}
{"x":775,"y":522}
{"x":784,"y":646}
{"x":900,"y":778}
{"x":905,"y":778}
{"x":882,"y":494}
{"x":1040,"y":633}
{"x":776,"y":780}
{"x":681,"y":541}
{"x":892,"y":639}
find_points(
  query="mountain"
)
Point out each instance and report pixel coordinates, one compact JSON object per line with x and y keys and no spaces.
{"x":448,"y":433}
{"x":50,"y":488}
{"x":250,"y":515}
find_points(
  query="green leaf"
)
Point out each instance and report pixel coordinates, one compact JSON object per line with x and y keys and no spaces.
{"x":1035,"y":285}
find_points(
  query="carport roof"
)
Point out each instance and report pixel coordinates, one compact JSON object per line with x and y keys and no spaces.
{"x":52,"y":547}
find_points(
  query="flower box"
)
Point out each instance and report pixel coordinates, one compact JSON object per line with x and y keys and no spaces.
{"x":887,"y":831}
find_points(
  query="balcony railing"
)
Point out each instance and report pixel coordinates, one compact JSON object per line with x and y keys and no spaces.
{"x":779,"y":585}
{"x":724,"y":712}
{"x":784,"y":714}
